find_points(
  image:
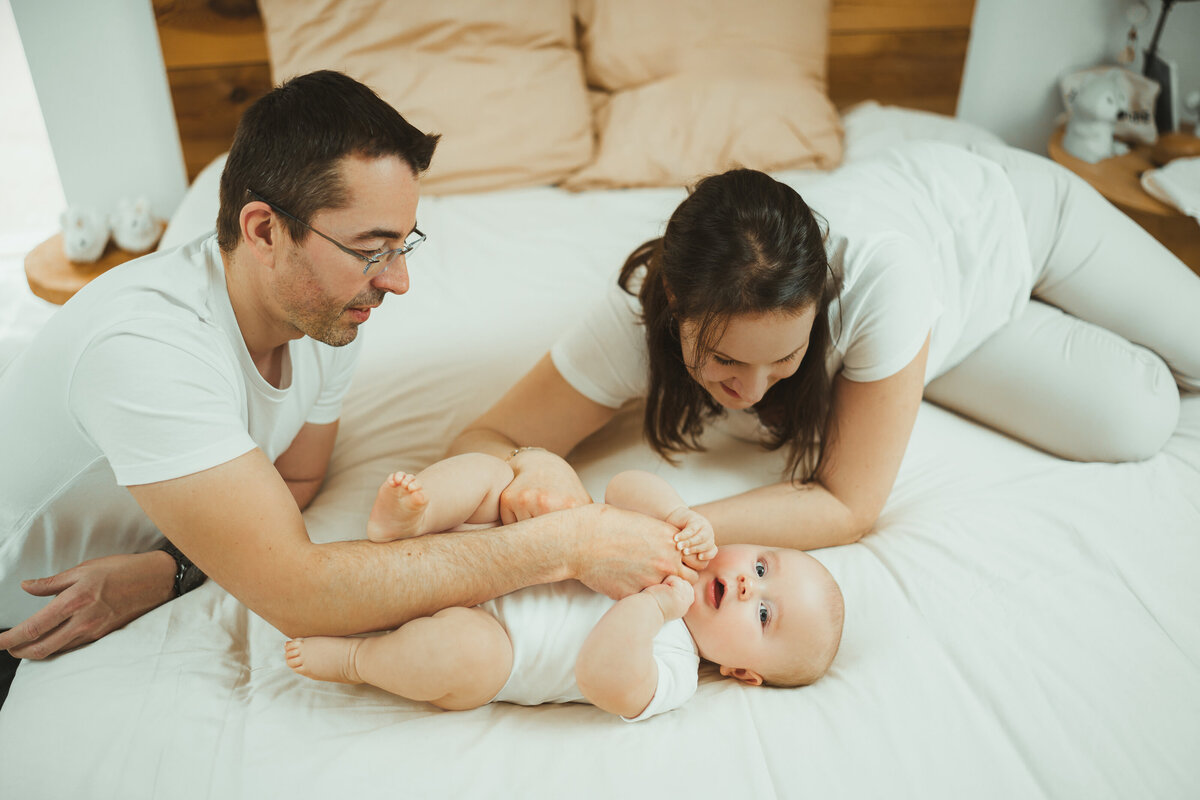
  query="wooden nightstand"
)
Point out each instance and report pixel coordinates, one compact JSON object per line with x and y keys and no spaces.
{"x":52,"y":277}
{"x":1119,"y":180}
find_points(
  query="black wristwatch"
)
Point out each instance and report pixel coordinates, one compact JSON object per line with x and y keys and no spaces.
{"x":187,"y":575}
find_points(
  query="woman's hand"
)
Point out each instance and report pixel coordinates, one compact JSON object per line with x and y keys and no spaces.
{"x":93,"y":600}
{"x":542,"y":482}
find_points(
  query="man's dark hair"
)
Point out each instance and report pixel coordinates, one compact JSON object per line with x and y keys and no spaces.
{"x":290,"y":142}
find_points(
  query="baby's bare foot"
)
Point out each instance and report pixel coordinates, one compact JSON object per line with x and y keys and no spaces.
{"x":324,"y":658}
{"x":399,"y":509}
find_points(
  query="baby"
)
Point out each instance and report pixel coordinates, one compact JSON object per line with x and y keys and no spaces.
{"x":763,"y":614}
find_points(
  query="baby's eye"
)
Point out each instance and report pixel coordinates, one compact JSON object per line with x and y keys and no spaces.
{"x":760,"y":568}
{"x":764,"y":616}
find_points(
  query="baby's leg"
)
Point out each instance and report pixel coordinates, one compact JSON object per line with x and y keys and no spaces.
{"x":459,"y":658}
{"x":463,"y":488}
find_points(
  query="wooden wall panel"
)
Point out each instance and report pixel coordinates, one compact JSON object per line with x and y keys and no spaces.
{"x":898,"y":15}
{"x":215,"y":52}
{"x":209,"y":101}
{"x":899,"y":52}
{"x":916,"y":69}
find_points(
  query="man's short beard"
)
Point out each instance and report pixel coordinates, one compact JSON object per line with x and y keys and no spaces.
{"x":330,"y":332}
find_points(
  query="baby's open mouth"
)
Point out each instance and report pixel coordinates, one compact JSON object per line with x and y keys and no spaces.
{"x":718,"y":592}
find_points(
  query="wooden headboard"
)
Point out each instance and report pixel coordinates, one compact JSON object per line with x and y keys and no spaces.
{"x":899,"y":52}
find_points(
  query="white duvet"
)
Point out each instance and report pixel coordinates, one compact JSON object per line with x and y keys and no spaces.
{"x":1017,"y":626}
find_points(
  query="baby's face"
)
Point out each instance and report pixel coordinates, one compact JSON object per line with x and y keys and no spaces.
{"x":758,"y":608}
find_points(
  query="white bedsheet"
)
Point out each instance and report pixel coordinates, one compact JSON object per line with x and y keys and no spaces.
{"x":1017,"y":626}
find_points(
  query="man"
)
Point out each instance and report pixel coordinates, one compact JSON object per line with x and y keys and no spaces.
{"x":195,"y":394}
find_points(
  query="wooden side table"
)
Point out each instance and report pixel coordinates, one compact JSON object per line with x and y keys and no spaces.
{"x":1119,"y":179}
{"x":54,"y":278}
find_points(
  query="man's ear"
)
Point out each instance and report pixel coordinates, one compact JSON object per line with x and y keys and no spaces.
{"x":746,"y":676}
{"x":255,"y":221}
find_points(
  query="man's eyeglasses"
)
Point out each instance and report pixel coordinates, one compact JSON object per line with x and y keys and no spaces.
{"x":377,"y":263}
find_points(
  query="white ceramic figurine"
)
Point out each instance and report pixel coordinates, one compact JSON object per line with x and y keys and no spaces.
{"x":133,"y":227}
{"x":1094,"y":112}
{"x":85,"y":233}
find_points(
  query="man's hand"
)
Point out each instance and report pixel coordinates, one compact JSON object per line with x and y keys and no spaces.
{"x":94,"y":599}
{"x":623,"y":552}
{"x":695,"y":540}
{"x":674,"y":596}
{"x":542,"y":482}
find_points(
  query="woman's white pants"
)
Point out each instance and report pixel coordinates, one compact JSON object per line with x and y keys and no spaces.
{"x":1089,"y":370}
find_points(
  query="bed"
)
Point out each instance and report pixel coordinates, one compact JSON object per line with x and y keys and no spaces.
{"x":1017,"y":625}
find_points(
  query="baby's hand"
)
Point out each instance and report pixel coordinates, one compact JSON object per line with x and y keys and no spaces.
{"x":674,"y":596}
{"x":695,"y":540}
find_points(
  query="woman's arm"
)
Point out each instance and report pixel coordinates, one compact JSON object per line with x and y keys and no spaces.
{"x":870,"y":425}
{"x":542,"y":410}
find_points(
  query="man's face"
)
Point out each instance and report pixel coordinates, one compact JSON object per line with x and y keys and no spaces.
{"x":321,"y":290}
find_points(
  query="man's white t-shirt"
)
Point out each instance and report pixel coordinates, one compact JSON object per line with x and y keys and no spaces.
{"x":142,"y":377}
{"x":928,"y":239}
{"x":548,"y":625}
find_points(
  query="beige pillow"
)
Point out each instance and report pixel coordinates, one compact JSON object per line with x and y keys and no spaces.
{"x":684,"y":89}
{"x":500,"y":80}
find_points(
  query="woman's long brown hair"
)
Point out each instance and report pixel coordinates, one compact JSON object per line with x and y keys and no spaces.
{"x":742,"y":243}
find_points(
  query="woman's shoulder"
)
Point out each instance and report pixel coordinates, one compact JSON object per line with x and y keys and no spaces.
{"x":603,"y":355}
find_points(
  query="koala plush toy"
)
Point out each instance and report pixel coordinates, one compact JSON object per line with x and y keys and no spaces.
{"x":85,"y":233}
{"x":1095,"y":108}
{"x":133,"y":227}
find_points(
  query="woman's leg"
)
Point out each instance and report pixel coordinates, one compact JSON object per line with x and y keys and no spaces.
{"x":462,"y":489}
{"x":459,"y":658}
{"x":1097,"y":264}
{"x":1066,"y":386}
{"x":1095,"y":383}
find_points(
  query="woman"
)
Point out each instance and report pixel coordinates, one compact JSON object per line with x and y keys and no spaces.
{"x":827,"y":340}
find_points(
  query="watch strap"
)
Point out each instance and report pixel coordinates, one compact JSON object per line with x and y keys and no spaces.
{"x":187,"y":575}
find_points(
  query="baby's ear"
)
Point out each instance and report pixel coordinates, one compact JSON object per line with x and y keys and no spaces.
{"x":747,"y":676}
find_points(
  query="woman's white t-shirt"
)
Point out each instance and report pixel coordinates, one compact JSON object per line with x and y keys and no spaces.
{"x":929,"y":241}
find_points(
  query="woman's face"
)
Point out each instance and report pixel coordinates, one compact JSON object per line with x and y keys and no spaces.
{"x":753,"y":353}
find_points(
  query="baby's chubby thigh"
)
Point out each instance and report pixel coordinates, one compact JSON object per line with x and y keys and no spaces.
{"x":466,"y":655}
{"x":457,"y":659}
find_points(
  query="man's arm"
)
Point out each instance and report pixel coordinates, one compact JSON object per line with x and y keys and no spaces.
{"x":304,"y":464}
{"x":92,"y":600}
{"x":99,"y":596}
{"x":253,"y":542}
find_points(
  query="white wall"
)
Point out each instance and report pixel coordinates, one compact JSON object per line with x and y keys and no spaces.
{"x":1181,"y":44}
{"x":1021,"y":48}
{"x":100,"y":81}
